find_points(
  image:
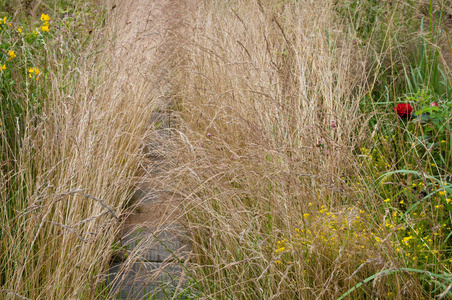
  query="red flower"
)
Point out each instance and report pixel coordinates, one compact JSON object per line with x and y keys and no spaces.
{"x":404,"y":110}
{"x":434,"y":104}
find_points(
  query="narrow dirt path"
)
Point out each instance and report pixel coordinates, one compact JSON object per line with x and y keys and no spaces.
{"x":153,"y":252}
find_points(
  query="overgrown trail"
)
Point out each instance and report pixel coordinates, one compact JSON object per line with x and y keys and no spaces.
{"x":150,"y":262}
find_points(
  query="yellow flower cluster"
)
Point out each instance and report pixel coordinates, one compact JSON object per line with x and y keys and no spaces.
{"x":326,"y":229}
{"x":282,"y":245}
{"x":45,"y":22}
{"x":11,"y":54}
{"x":3,"y":21}
{"x":335,"y":229}
{"x":407,"y":239}
{"x":418,"y":241}
{"x":33,"y":73}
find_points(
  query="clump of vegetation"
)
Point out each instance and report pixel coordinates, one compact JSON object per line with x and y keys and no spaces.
{"x":66,"y":165}
{"x":317,"y":149}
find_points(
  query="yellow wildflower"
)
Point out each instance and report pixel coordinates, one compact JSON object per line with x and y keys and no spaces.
{"x":407,"y":239}
{"x":33,"y":72}
{"x":3,"y":67}
{"x":11,"y":54}
{"x":45,"y":18}
{"x":387,"y":200}
{"x":280,"y":249}
{"x":19,"y":29}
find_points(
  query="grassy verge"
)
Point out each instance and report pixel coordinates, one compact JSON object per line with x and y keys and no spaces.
{"x":69,"y":149}
{"x":301,"y":179}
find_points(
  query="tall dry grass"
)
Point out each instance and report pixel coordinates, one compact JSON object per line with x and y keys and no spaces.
{"x":269,"y":97}
{"x":64,"y":192}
